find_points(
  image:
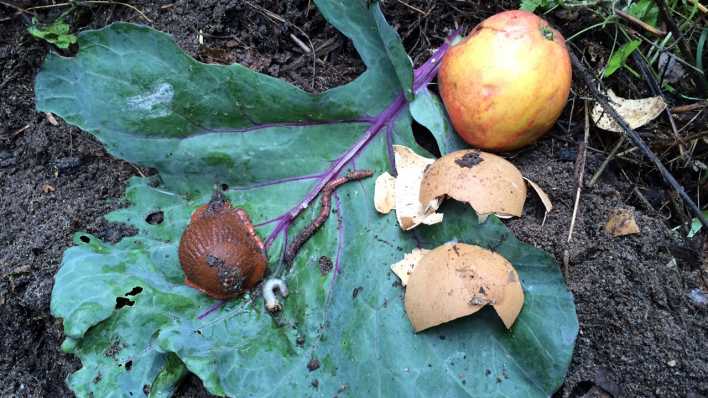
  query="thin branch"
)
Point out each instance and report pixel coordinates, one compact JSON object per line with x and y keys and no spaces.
{"x":635,"y":138}
{"x":607,"y":160}
{"x":656,"y":91}
{"x":640,"y":23}
{"x":580,"y":170}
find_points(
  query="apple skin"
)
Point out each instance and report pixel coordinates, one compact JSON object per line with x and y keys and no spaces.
{"x":507,"y":82}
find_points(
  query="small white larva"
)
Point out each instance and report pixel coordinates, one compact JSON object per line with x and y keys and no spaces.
{"x":271,"y":301}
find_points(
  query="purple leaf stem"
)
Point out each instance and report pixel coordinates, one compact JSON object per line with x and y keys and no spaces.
{"x":422,"y":76}
{"x":276,"y":182}
{"x":389,"y":149}
{"x":218,"y":304}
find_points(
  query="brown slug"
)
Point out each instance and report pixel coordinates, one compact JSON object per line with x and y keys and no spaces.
{"x":220,"y":253}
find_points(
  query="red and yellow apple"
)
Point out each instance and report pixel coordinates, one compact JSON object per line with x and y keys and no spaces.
{"x":507,"y":82}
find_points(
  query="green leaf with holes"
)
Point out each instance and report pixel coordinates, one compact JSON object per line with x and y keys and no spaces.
{"x":137,"y":328}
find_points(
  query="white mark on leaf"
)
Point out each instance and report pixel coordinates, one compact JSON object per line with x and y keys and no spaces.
{"x":157,"y":102}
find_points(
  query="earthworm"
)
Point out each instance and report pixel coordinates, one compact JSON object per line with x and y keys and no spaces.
{"x":306,"y":233}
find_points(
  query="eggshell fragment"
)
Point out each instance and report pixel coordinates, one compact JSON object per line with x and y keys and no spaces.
{"x":622,"y":223}
{"x":456,"y":280}
{"x":409,"y":211}
{"x":403,"y":268}
{"x":636,"y":112}
{"x":545,"y":199}
{"x":489,"y":183}
{"x":385,"y":193}
{"x":402,"y":192}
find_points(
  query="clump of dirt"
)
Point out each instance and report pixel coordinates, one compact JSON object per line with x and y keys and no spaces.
{"x":640,"y":333}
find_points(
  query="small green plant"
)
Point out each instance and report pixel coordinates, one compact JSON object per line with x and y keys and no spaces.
{"x":56,"y":33}
{"x":619,"y":57}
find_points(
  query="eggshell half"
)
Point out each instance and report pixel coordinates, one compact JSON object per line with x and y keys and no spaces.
{"x":456,"y":280}
{"x":489,"y":183}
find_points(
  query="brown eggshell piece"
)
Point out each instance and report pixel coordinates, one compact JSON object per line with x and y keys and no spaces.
{"x":219,"y":254}
{"x":621,"y":223}
{"x":489,"y":183}
{"x":456,"y":280}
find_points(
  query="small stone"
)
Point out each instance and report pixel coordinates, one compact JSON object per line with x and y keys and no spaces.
{"x":671,"y":363}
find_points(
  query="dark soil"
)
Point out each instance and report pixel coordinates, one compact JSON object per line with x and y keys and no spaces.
{"x":640,"y":334}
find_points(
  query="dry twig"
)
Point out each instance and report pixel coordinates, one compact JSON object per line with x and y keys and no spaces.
{"x":640,"y":23}
{"x":580,"y":170}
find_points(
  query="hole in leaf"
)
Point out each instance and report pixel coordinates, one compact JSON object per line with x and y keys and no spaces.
{"x":85,"y":239}
{"x":581,"y":388}
{"x":224,"y":187}
{"x":135,"y":291}
{"x":122,"y":302}
{"x":128,"y":365}
{"x":425,"y":138}
{"x":155,"y":218}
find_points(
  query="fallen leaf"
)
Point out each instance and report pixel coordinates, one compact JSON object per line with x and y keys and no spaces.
{"x":403,"y":268}
{"x":622,"y":223}
{"x":636,"y":112}
{"x":46,"y":188}
{"x":489,"y":183}
{"x":456,"y":280}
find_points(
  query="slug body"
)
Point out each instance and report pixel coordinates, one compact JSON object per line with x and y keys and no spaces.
{"x":220,"y":252}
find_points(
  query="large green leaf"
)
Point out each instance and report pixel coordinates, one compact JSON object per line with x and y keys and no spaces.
{"x":137,"y":328}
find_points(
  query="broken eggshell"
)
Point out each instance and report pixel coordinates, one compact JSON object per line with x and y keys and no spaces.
{"x":489,"y":183}
{"x":456,"y":280}
{"x":402,"y":192}
{"x":404,"y":268}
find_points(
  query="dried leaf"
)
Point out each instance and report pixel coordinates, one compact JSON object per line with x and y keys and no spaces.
{"x":636,"y":113}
